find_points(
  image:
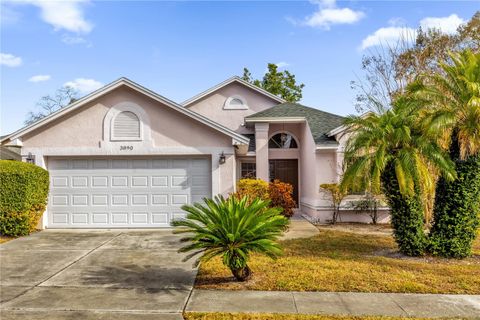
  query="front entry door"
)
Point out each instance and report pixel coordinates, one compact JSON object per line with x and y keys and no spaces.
{"x":286,"y":171}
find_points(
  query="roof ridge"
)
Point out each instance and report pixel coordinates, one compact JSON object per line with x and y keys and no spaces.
{"x":228,"y":81}
{"x":313,"y":108}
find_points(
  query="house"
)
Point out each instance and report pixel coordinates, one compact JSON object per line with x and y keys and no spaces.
{"x":125,"y":156}
{"x":10,"y":153}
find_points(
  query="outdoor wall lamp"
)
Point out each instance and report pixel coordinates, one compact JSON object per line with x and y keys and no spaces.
{"x":30,"y":158}
{"x":222,"y":158}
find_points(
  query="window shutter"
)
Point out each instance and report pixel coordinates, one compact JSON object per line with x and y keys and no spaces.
{"x":126,"y":125}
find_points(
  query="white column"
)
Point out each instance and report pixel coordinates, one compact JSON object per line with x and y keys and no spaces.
{"x":261,"y":141}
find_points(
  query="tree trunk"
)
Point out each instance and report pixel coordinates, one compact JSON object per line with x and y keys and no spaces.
{"x":242,"y":274}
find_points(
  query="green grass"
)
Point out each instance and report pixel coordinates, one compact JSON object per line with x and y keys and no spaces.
{"x":346,"y":261}
{"x":265,"y":316}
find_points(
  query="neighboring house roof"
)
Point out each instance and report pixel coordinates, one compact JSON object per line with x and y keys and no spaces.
{"x":237,"y":79}
{"x":10,"y":153}
{"x":135,"y":86}
{"x":320,"y":122}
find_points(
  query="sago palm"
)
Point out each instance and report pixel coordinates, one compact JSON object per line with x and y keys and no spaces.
{"x":452,"y":103}
{"x":389,"y":152}
{"x":231,"y":229}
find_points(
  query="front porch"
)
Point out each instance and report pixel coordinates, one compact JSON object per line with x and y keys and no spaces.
{"x":275,"y":154}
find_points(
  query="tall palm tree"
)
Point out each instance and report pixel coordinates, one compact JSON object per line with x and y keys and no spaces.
{"x":452,"y":101}
{"x":389,"y":152}
{"x":232,"y":229}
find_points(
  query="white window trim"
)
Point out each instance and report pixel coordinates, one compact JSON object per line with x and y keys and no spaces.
{"x":287,"y":132}
{"x":126,"y":106}
{"x":228,"y":106}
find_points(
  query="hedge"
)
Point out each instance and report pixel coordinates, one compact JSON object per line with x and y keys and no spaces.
{"x":23,"y":197}
{"x":407,"y":215}
{"x":456,"y":211}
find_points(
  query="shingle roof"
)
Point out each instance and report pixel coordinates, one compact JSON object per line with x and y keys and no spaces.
{"x":320,"y":122}
{"x":252,"y":145}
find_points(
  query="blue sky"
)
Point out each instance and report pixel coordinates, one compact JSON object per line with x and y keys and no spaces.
{"x":181,"y":48}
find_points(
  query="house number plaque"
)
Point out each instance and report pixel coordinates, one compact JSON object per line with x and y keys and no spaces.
{"x":125,"y":148}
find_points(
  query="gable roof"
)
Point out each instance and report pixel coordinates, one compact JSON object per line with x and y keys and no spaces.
{"x":237,"y":79}
{"x":238,"y":138}
{"x":320,"y":122}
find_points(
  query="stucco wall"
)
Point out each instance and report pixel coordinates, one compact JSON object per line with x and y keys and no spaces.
{"x":211,"y":106}
{"x":84,"y":127}
{"x":308,"y":168}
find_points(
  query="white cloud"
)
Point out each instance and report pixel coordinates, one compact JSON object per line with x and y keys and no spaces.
{"x":325,"y":18}
{"x":447,"y":25}
{"x":10,"y":60}
{"x":62,"y":14}
{"x":282,"y":64}
{"x":40,"y":78}
{"x":388,"y":36}
{"x":328,"y":14}
{"x":392,"y":34}
{"x":84,"y":85}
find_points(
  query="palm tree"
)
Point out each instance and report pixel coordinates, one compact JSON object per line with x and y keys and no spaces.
{"x":389,"y":152}
{"x":232,"y":229}
{"x":452,"y":103}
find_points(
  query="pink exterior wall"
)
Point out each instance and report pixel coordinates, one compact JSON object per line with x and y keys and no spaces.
{"x":308,"y":169}
{"x":211,"y":106}
{"x":84,"y":127}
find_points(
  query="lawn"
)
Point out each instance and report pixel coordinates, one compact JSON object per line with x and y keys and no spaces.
{"x":347,"y":261}
{"x":264,"y":316}
{"x":5,"y":239}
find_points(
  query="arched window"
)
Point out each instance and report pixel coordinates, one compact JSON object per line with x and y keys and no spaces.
{"x":235,"y":103}
{"x":282,"y":141}
{"x":126,"y":126}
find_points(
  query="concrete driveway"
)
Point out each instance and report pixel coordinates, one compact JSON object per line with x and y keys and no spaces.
{"x":94,"y":274}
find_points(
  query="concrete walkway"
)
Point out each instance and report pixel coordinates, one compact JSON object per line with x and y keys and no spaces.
{"x":336,"y":303}
{"x":300,"y":228}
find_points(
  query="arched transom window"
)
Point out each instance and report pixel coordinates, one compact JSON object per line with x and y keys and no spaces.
{"x":126,"y":126}
{"x":235,"y":103}
{"x":282,"y":140}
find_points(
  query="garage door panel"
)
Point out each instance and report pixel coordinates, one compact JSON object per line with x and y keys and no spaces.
{"x":139,"y":181}
{"x":110,"y":193}
{"x":159,"y":181}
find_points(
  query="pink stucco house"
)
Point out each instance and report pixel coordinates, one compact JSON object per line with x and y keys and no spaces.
{"x":125,"y":156}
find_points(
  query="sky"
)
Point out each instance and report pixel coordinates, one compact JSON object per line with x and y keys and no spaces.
{"x":179,"y":49}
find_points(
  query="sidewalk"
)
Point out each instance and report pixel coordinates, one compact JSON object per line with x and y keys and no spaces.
{"x":335,"y":303}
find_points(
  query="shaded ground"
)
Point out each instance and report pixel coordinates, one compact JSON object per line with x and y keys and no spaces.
{"x":347,"y":261}
{"x":359,"y":228}
{"x":96,"y":274}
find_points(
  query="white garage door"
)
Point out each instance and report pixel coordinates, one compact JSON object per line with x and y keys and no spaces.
{"x":124,"y":192}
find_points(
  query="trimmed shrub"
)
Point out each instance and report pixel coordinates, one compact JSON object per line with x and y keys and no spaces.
{"x":456,"y":211}
{"x":406,"y":214}
{"x":281,"y":196}
{"x":23,"y":197}
{"x":252,"y":188}
{"x":278,"y":193}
